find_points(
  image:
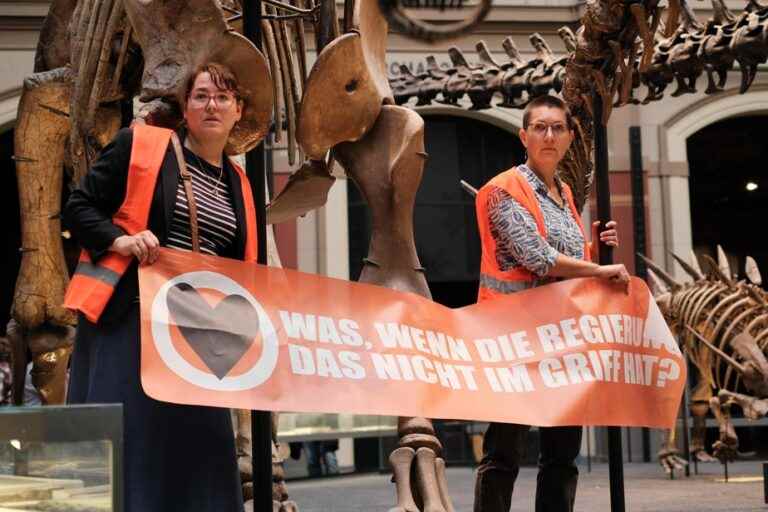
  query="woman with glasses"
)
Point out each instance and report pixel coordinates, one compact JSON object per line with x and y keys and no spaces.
{"x":531,"y":235}
{"x":177,"y":457}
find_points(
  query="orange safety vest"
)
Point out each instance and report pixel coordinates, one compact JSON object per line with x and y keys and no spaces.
{"x":495,"y":282}
{"x":93,"y":283}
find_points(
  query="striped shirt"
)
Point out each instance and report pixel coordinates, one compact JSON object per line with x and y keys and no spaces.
{"x":216,"y":219}
{"x":518,"y":242}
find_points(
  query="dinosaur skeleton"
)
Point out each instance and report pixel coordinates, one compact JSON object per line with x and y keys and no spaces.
{"x":607,"y":55}
{"x":722,"y":325}
{"x":692,"y":49}
{"x":87,"y":76}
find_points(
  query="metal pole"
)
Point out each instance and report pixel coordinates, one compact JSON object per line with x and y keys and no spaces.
{"x":686,"y":429}
{"x":765,"y":482}
{"x":261,"y":421}
{"x":615,"y":462}
{"x":638,"y":231}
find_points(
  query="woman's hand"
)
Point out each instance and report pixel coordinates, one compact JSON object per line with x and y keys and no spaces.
{"x":144,"y":245}
{"x":615,"y":273}
{"x":609,"y":236}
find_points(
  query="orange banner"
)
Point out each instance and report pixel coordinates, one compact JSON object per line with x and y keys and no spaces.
{"x":225,"y":333}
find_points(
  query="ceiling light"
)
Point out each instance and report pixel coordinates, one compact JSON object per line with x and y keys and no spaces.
{"x":751,"y":185}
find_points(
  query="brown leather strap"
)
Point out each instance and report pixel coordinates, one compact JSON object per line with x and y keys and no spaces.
{"x":186,"y":177}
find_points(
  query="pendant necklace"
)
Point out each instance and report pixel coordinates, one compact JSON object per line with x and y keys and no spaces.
{"x":208,"y":178}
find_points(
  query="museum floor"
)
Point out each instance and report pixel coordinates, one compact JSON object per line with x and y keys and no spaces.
{"x":647,"y":489}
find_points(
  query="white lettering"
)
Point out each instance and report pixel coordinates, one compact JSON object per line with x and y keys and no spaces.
{"x":488,"y":350}
{"x":515,"y":378}
{"x":326,"y":330}
{"x":302,"y":362}
{"x":326,"y":364}
{"x":549,"y":337}
{"x":351,"y":367}
{"x":551,"y":373}
{"x":468,"y":372}
{"x":590,"y":329}
{"x":386,"y":366}
{"x":350,"y":334}
{"x":392,"y":335}
{"x":423,"y":369}
{"x":299,"y":326}
{"x":577,"y":367}
{"x":570,"y":334}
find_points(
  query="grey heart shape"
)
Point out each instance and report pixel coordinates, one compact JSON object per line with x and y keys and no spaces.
{"x":219,"y":335}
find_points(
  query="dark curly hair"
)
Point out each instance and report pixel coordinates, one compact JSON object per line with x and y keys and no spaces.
{"x":222,"y":77}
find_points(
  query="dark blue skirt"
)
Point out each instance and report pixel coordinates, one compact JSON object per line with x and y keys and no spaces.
{"x":176,"y":457}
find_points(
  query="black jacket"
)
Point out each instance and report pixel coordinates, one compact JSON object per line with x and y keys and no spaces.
{"x":90,"y":208}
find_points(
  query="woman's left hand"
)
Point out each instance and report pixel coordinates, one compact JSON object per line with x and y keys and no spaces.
{"x":609,"y":236}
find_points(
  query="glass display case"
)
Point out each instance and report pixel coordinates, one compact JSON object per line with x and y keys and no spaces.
{"x":61,"y":458}
{"x":313,"y":427}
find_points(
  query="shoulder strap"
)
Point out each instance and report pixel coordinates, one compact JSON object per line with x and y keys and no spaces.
{"x":186,"y":178}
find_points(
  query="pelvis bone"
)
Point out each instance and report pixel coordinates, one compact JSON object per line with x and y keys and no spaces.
{"x":350,"y":71}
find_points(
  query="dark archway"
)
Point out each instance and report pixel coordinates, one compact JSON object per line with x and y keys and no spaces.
{"x":10,"y":257}
{"x":729,"y":189}
{"x":724,"y":158}
{"x":447,"y":240}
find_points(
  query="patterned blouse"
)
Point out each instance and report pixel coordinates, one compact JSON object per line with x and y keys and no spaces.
{"x":518,"y":242}
{"x":216,"y":219}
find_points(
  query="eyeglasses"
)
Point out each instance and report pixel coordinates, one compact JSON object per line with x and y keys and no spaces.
{"x":200,"y":99}
{"x":539,"y":128}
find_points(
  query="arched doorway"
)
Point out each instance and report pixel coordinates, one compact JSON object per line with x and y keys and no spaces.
{"x":10,"y":256}
{"x":728,"y":186}
{"x":444,"y":220}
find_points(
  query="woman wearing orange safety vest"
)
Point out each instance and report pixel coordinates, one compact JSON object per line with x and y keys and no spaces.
{"x":152,"y":188}
{"x":532,"y":234}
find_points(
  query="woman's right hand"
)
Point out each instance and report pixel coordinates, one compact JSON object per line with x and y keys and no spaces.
{"x":144,"y":245}
{"x":616,"y":273}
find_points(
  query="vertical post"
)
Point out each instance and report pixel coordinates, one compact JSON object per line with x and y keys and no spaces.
{"x":638,"y":225}
{"x":686,"y":428}
{"x":269,"y":149}
{"x":638,"y":199}
{"x":765,"y":482}
{"x":261,"y":421}
{"x":615,"y":462}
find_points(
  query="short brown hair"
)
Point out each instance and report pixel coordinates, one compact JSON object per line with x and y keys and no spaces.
{"x":547,"y":101}
{"x":222,"y":77}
